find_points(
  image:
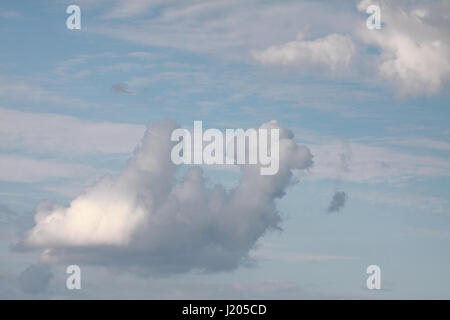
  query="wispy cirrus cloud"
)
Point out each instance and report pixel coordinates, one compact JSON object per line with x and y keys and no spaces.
{"x":29,"y":170}
{"x":411,"y":52}
{"x":407,"y":200}
{"x":56,"y":133}
{"x":25,"y":90}
{"x":371,"y":163}
{"x":287,"y":256}
{"x":223,"y":28}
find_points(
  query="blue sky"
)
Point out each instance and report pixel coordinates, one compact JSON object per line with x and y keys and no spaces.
{"x":371,"y":106}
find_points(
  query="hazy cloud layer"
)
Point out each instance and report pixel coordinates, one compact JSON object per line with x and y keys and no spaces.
{"x":148,"y":221}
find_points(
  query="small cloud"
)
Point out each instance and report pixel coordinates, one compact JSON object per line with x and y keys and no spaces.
{"x":338,"y":201}
{"x":332,"y":51}
{"x":121,"y":88}
{"x":35,"y":279}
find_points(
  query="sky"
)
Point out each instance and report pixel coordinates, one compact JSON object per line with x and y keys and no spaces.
{"x":85,"y":176}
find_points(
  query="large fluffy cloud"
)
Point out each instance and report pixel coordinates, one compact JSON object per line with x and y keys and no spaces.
{"x":147,"y":220}
{"x":411,"y":51}
{"x":414,"y":45}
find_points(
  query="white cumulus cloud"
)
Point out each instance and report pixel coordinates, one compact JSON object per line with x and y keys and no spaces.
{"x":148,"y":221}
{"x":414,"y":45}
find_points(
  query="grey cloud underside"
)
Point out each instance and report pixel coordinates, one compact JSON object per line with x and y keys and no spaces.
{"x":35,"y":279}
{"x":147,"y":221}
{"x":12,"y":221}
